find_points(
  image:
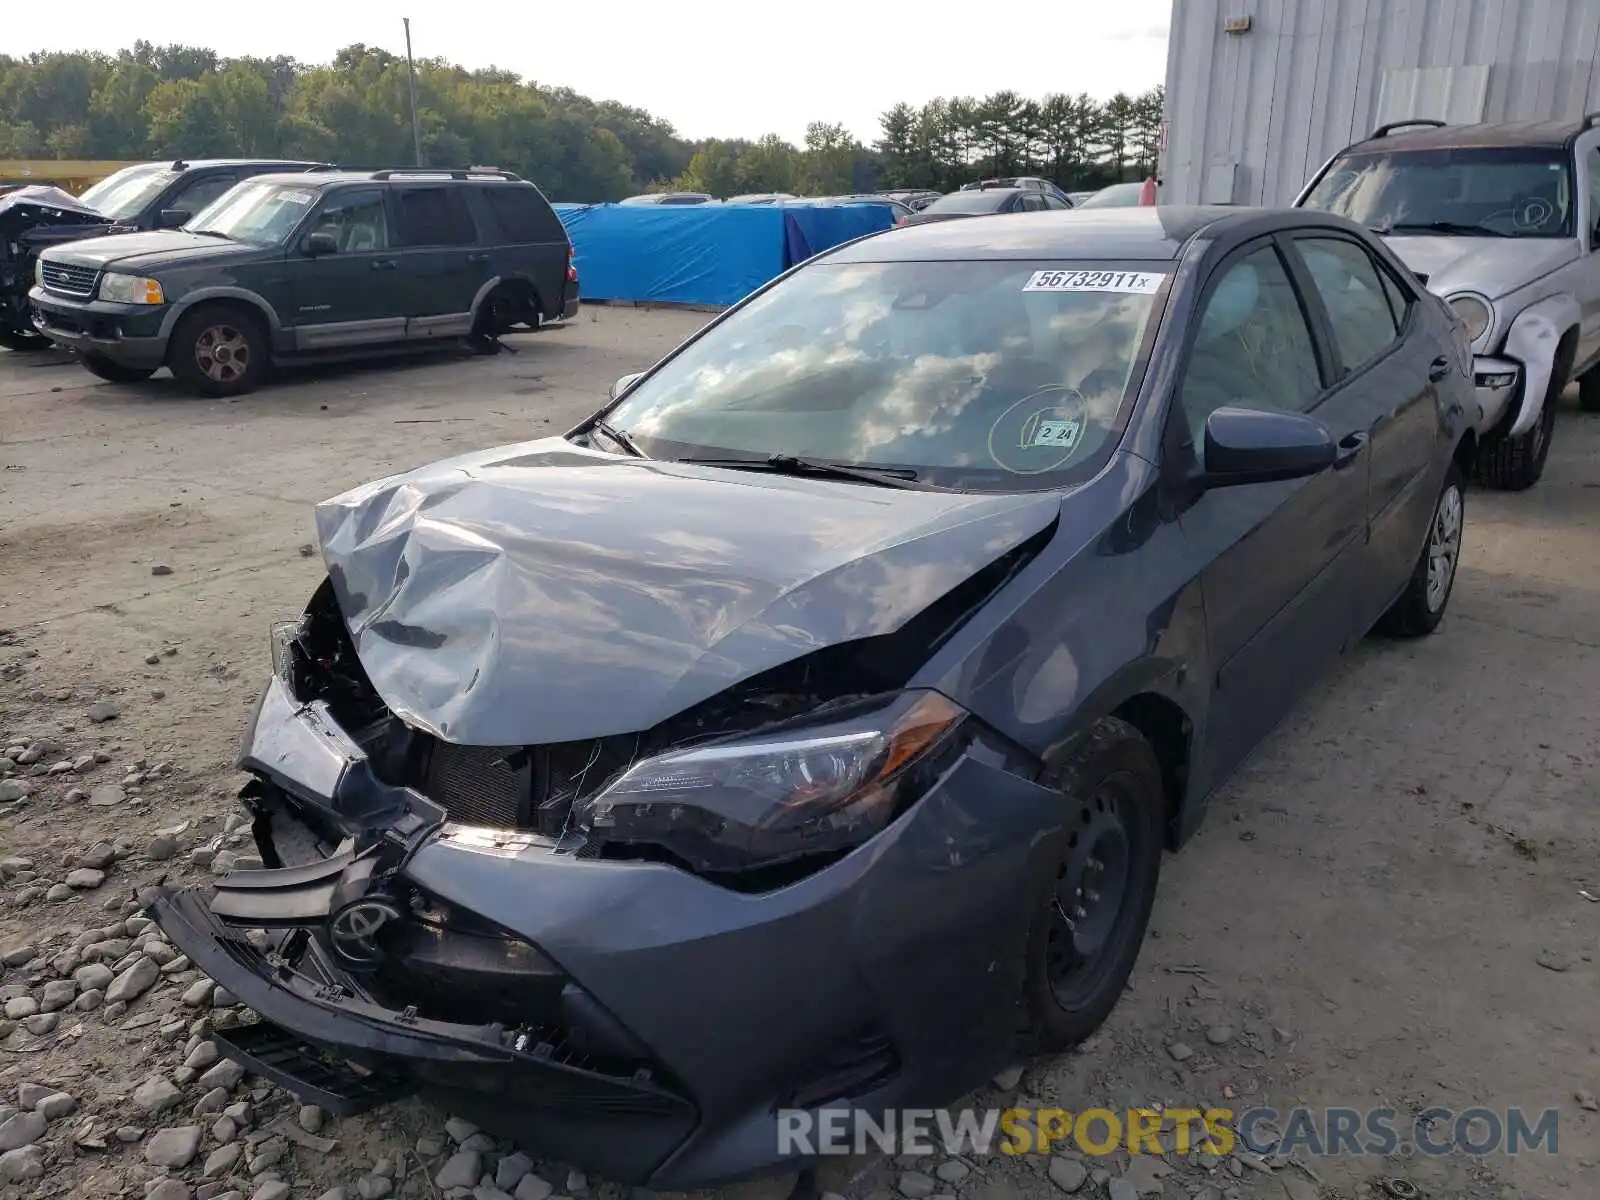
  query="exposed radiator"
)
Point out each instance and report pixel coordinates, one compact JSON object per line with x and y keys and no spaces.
{"x":475,"y":785}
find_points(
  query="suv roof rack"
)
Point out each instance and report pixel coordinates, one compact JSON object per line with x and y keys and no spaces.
{"x":447,"y":173}
{"x":1386,"y":130}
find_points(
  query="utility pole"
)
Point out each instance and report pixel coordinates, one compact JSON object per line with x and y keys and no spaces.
{"x":411,"y":71}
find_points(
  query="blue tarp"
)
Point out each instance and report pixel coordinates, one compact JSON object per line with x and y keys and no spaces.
{"x":704,"y":253}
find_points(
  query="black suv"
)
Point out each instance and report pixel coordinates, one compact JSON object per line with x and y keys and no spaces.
{"x":311,"y":266}
{"x":157,"y":195}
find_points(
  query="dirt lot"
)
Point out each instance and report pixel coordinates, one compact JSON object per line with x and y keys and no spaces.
{"x":1385,"y":910}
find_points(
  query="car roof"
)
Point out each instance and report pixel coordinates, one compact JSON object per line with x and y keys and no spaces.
{"x":328,"y":178}
{"x":191,"y":164}
{"x":1550,"y":134}
{"x":1151,"y":233}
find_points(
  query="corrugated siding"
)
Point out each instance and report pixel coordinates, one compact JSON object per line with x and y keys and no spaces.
{"x":1259,"y":112}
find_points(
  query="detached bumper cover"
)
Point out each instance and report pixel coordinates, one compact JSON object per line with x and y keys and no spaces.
{"x":886,"y":979}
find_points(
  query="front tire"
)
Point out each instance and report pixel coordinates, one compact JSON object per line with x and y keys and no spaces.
{"x":1514,"y":464}
{"x":114,"y":372}
{"x":1421,"y":606}
{"x":22,"y":340}
{"x":218,"y":350}
{"x":1092,"y":910}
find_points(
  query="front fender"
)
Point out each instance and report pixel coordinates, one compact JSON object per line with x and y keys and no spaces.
{"x":221,"y":292}
{"x":1532,"y":340}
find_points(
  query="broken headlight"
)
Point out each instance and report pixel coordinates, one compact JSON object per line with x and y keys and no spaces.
{"x":786,"y":793}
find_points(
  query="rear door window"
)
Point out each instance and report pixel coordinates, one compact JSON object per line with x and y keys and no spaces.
{"x":521,"y":214}
{"x":433,"y":216}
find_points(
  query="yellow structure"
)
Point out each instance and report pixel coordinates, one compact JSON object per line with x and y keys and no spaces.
{"x":74,"y":175}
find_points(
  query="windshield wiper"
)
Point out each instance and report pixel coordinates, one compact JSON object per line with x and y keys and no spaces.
{"x":789,"y":464}
{"x":1439,"y":227}
{"x":620,"y":438}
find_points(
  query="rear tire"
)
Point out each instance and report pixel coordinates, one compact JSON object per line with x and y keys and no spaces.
{"x":114,"y":372}
{"x":1091,"y":912}
{"x":218,"y":350}
{"x":1421,"y":606}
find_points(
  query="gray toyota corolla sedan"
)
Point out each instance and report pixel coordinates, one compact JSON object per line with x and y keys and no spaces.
{"x":780,"y":735}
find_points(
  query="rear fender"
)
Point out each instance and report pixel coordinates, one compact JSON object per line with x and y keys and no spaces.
{"x":1533,"y":340}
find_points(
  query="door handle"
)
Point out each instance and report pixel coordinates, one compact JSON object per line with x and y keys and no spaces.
{"x":1349,"y":450}
{"x":1438,"y":369}
{"x":384,"y":264}
{"x":480,"y":257}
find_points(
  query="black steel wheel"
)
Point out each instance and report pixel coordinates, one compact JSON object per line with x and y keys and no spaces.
{"x":1092,"y":912}
{"x":22,"y":340}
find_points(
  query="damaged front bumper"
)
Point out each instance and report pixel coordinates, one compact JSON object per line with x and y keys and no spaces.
{"x":627,"y":1017}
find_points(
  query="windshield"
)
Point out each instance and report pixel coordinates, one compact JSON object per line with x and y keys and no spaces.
{"x":999,"y":375}
{"x":260,"y":213}
{"x":969,"y":202}
{"x":1118,"y":195}
{"x":1496,"y":191}
{"x":127,"y":192}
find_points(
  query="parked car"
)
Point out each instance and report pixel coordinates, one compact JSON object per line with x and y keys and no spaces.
{"x":1026,"y":182}
{"x":986,"y":202}
{"x":760,"y":198}
{"x":141,"y":197}
{"x":1118,"y":195}
{"x":914,"y":199}
{"x":1503,"y":223}
{"x":900,"y":211}
{"x":309,"y":266}
{"x":1078,"y":198}
{"x":626,"y":789}
{"x":670,"y":198}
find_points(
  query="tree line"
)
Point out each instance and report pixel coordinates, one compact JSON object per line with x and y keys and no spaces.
{"x":171,"y":101}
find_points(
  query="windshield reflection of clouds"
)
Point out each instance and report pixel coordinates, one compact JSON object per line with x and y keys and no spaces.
{"x":906,"y":364}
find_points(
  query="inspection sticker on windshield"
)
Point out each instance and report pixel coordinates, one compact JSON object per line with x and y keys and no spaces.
{"x":1055,"y":433}
{"x":296,"y":197}
{"x":1141,"y":282}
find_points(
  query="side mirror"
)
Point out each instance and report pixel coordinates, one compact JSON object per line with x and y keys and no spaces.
{"x":318,"y":244}
{"x":623,"y":384}
{"x":172,"y":218}
{"x":1251,"y":445}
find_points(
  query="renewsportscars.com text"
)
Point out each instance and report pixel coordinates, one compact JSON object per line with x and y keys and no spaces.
{"x":1317,"y":1132}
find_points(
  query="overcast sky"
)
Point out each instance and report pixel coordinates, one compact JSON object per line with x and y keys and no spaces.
{"x":711,"y":67}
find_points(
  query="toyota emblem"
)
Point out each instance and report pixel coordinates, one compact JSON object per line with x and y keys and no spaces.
{"x":352,"y":930}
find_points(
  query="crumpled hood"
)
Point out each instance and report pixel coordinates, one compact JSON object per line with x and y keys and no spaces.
{"x":157,"y":248}
{"x":42,"y":204}
{"x":1489,"y":266}
{"x":543,"y":592}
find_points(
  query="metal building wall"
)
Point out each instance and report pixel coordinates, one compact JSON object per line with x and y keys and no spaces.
{"x":1251,"y":116}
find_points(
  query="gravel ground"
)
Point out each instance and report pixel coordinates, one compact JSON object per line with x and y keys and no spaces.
{"x":1385,"y":909}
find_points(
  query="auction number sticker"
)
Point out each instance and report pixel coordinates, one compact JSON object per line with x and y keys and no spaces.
{"x":1137,"y":282}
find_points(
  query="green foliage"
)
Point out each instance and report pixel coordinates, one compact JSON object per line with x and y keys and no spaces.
{"x":167,"y":101}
